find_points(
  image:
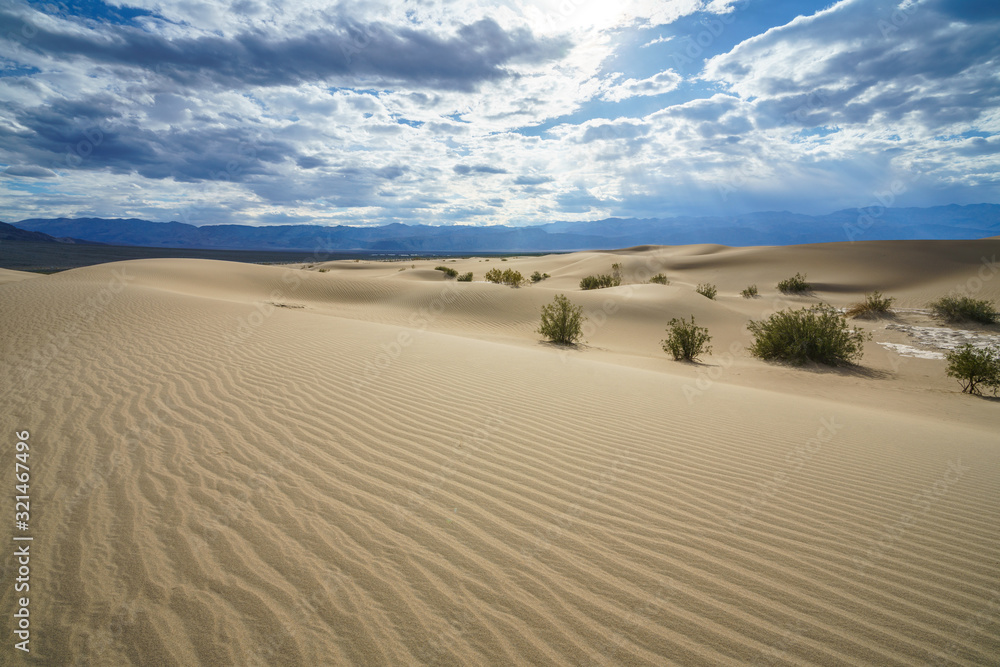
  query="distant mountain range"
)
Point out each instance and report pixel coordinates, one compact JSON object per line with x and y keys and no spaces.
{"x":775,"y":228}
{"x":12,"y":233}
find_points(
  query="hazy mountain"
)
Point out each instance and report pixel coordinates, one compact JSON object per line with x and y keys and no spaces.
{"x":12,"y":233}
{"x":772,"y":228}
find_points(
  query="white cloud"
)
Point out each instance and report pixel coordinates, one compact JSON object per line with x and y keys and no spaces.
{"x":657,"y":84}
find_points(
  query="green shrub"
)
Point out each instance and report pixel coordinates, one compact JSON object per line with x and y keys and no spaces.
{"x":795,"y":285}
{"x":598,"y":282}
{"x":562,"y":322}
{"x":512,"y":278}
{"x":506,"y":277}
{"x":963,"y":308}
{"x":750,"y":292}
{"x":707,"y":290}
{"x":660,"y":279}
{"x":503,"y":259}
{"x":818,"y":333}
{"x":973,"y":367}
{"x":323,"y":270}
{"x":874,"y":306}
{"x":686,"y":340}
{"x":616,"y":274}
{"x":447,"y":271}
{"x":537,"y":277}
{"x":465,"y":277}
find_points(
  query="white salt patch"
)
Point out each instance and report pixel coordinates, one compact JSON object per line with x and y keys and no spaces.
{"x":943,"y":338}
{"x":910,"y":351}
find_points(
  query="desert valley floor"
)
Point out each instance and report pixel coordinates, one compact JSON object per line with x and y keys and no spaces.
{"x":363,"y":463}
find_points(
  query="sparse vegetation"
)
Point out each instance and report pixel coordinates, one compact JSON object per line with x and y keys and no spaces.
{"x":537,"y":277}
{"x":506,"y":277}
{"x":447,"y":271}
{"x":562,"y":322}
{"x":707,"y":290}
{"x":795,"y":285}
{"x":604,"y":280}
{"x":323,"y":270}
{"x":975,"y":367}
{"x":686,"y":340}
{"x":750,"y":292}
{"x":965,"y":308}
{"x":818,"y":333}
{"x":873,"y":307}
{"x":598,"y":282}
{"x":660,"y":279}
{"x":465,"y":277}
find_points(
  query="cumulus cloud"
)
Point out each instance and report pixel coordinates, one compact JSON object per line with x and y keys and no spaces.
{"x":513,"y":110}
{"x":657,"y":84}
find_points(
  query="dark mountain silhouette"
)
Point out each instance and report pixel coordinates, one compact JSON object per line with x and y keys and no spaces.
{"x":772,"y":228}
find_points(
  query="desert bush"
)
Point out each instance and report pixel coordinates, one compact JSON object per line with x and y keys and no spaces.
{"x":973,"y":366}
{"x":512,"y":278}
{"x":685,"y":340}
{"x":537,"y":277}
{"x":874,"y":306}
{"x":795,"y":285}
{"x":965,"y":308}
{"x":494,"y":276}
{"x":660,"y":279}
{"x":750,"y":292}
{"x":707,"y":290}
{"x":597,"y":282}
{"x":447,"y":271}
{"x":616,"y":274}
{"x":818,"y":333}
{"x":465,"y":277}
{"x":562,"y":322}
{"x":503,"y":259}
{"x":323,"y":270}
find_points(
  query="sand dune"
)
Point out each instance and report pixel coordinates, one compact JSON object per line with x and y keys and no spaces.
{"x":253,"y":465}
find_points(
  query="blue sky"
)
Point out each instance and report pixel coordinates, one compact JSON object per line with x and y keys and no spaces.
{"x":503,"y":112}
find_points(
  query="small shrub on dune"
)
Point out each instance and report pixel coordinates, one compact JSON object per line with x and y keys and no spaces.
{"x":660,"y":279}
{"x":494,"y":276}
{"x":616,"y":274}
{"x":465,"y":277}
{"x":795,"y":285}
{"x":597,"y":282}
{"x":818,"y":333}
{"x":537,"y":277}
{"x":685,"y":340}
{"x":562,"y":322}
{"x":512,"y":278}
{"x":874,"y":306}
{"x":447,"y":271}
{"x":707,"y":290}
{"x":974,"y":367}
{"x":965,"y":308}
{"x":750,"y":292}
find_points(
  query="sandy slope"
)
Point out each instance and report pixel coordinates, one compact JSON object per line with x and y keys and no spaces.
{"x":236,"y":464}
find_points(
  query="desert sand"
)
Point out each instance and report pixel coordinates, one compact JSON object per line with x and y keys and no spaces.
{"x":361,"y":463}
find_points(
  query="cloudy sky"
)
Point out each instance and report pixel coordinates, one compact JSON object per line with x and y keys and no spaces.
{"x":501,"y":112}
